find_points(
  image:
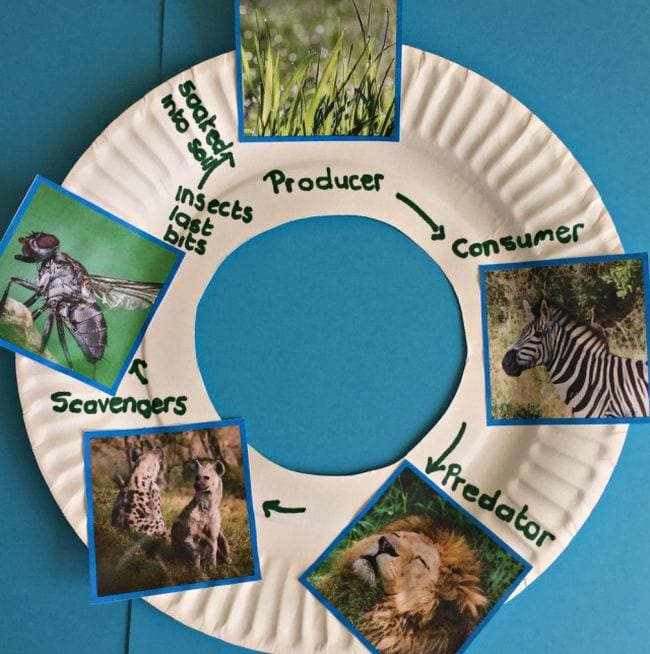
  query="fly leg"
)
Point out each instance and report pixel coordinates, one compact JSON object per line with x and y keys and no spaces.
{"x":47,"y":331}
{"x":31,"y":300}
{"x":21,"y":282}
{"x":64,"y":345}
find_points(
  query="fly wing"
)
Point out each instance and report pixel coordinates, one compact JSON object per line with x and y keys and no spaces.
{"x":123,"y":293}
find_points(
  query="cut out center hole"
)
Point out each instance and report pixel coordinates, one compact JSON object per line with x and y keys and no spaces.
{"x":338,"y":339}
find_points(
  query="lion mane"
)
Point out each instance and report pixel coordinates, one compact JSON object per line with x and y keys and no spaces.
{"x":427,"y":582}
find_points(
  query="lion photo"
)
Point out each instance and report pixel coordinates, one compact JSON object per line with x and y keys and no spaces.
{"x":169,"y":510}
{"x":414,"y":574}
{"x":567,"y":340}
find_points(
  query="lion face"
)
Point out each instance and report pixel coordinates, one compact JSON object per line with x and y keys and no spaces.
{"x":420,"y":569}
{"x":401,"y":561}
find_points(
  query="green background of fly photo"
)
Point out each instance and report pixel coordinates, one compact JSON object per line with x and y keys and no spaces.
{"x":104,"y":247}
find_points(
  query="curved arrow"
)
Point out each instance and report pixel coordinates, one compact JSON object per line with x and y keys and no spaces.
{"x":274,"y":505}
{"x":437,"y":465}
{"x":438,"y":230}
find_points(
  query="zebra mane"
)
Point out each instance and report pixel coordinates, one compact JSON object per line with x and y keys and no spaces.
{"x":561,"y":312}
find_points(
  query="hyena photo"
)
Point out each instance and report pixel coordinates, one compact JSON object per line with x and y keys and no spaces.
{"x":169,"y":508}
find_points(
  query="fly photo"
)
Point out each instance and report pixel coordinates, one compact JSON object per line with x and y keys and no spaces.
{"x":318,"y":69}
{"x":169,"y":509}
{"x":566,"y":340}
{"x":78,"y":285}
{"x":414,"y":572}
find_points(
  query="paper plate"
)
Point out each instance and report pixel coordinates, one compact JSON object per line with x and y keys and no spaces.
{"x":471,"y":156}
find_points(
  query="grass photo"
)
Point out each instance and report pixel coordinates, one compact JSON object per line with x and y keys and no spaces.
{"x":169,"y":509}
{"x":318,"y":69}
{"x":78,"y":286}
{"x":566,"y":340}
{"x":414,"y":572}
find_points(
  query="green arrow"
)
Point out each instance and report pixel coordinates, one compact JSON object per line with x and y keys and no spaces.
{"x":136,"y":369}
{"x":437,"y":465}
{"x":438,"y":230}
{"x":274,"y":505}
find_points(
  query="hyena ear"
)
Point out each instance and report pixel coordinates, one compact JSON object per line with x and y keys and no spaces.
{"x":197,"y":464}
{"x":220,"y":468}
{"x":135,"y":454}
{"x":544,"y":311}
{"x":527,"y":308}
{"x":159,"y":451}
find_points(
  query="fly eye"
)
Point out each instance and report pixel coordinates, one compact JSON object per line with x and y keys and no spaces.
{"x":423,"y":562}
{"x":46,"y":241}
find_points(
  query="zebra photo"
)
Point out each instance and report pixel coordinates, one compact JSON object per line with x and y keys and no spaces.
{"x":591,"y":380}
{"x":566,"y":339}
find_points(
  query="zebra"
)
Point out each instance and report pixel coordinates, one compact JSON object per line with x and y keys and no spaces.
{"x":591,"y":380}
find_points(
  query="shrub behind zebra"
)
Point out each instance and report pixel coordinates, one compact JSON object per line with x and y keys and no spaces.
{"x":142,"y":487}
{"x":566,"y":339}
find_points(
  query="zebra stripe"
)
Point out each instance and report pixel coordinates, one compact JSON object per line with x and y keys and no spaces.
{"x":590,"y":379}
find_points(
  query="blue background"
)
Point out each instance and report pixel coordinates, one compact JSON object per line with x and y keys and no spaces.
{"x":581,"y":66}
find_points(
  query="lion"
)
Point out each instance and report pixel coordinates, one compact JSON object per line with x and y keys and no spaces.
{"x":426,"y":581}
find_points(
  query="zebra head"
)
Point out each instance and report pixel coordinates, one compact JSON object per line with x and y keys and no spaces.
{"x":532,"y":347}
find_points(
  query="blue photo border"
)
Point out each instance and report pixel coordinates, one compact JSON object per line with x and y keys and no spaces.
{"x":39,"y":181}
{"x":395,"y":137}
{"x":407,"y":465}
{"x":89,"y":435}
{"x":484,"y":269}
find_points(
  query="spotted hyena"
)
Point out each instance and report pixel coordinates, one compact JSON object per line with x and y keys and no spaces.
{"x":137,"y":506}
{"x":196,"y":534}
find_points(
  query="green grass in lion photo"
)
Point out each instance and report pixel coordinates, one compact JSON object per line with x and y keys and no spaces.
{"x":169,"y":510}
{"x":313,"y":69}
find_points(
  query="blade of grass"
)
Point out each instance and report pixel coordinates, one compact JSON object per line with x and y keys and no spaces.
{"x":298,"y":76}
{"x":363,"y":29}
{"x":246,"y":71}
{"x":386,"y":128}
{"x":324,"y":85}
{"x":275,"y":105}
{"x":267,"y":97}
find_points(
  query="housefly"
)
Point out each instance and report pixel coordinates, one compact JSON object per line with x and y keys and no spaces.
{"x":71,"y":296}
